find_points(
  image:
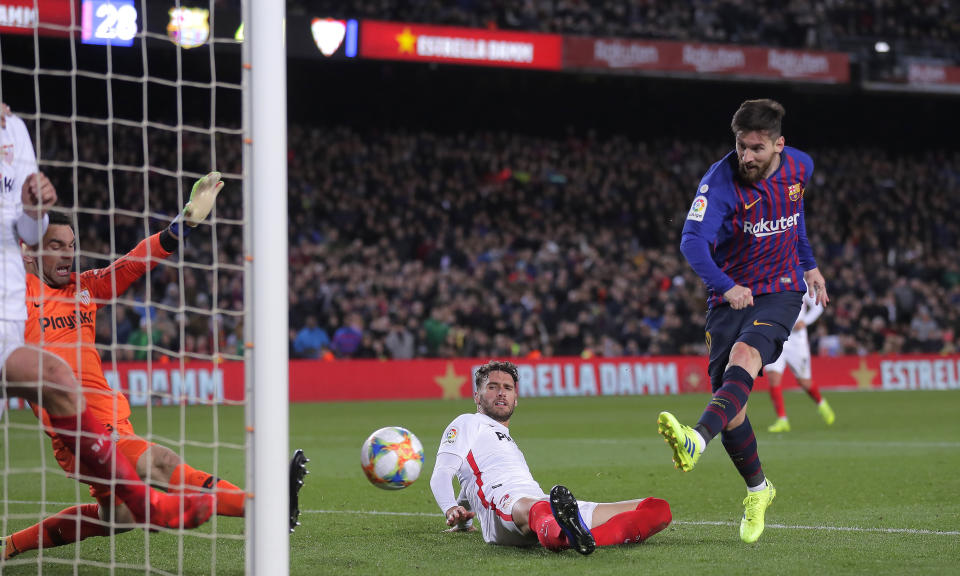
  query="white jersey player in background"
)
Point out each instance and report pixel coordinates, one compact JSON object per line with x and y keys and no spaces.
{"x":796,"y":355}
{"x":497,"y":488}
{"x":41,"y":377}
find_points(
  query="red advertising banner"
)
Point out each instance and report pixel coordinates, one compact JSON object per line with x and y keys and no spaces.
{"x":728,"y":60}
{"x":474,"y":46}
{"x":53,"y":17}
{"x":927,"y":74}
{"x":319,"y":381}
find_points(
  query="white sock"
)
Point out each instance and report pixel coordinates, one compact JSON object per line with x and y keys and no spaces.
{"x":762,"y":486}
{"x":701,"y":443}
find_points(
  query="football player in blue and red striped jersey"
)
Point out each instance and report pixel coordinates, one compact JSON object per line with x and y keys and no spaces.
{"x":746,"y":237}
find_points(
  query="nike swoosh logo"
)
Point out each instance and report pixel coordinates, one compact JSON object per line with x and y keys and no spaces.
{"x":756,"y":323}
{"x":750,"y":205}
{"x":37,"y":304}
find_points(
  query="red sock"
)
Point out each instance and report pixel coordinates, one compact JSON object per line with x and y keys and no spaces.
{"x":59,"y":530}
{"x":96,"y":451}
{"x":651,"y":516}
{"x":230,"y":498}
{"x":776,"y":394}
{"x":814,"y":392}
{"x":543,"y":523}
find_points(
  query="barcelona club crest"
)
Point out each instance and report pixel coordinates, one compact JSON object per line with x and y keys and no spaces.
{"x":189,"y":27}
{"x":795,"y":191}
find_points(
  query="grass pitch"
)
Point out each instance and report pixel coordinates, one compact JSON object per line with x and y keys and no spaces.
{"x":877,"y":493}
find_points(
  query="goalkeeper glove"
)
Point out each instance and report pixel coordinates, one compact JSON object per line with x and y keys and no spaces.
{"x":202,"y":197}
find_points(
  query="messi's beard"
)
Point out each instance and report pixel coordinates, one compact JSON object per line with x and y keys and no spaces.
{"x":756,"y":172}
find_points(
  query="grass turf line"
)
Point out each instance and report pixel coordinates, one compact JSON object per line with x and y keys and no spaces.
{"x":890,"y":462}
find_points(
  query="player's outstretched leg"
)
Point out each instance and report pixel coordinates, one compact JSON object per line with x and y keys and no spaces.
{"x":298,"y":469}
{"x":567,"y":514}
{"x":754,"y":508}
{"x":682,"y":440}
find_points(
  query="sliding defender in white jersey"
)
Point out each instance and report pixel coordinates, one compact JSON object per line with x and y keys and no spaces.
{"x":796,"y":355}
{"x":497,"y":488}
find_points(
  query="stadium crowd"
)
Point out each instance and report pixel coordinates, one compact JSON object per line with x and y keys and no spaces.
{"x":417,"y":244}
{"x":920,"y":27}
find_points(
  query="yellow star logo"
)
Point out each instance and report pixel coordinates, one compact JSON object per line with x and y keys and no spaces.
{"x":693,"y":380}
{"x":863,"y":375}
{"x":406,"y":41}
{"x":451,"y":383}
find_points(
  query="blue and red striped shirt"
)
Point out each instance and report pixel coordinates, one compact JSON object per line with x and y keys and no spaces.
{"x":753,"y":235}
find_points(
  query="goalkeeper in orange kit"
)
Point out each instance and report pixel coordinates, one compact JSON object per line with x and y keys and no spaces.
{"x":62,"y":308}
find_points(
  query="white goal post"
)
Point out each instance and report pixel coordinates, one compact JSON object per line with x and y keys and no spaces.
{"x":265,"y":191}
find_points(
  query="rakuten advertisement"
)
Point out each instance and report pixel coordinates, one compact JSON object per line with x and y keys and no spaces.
{"x":473,"y":46}
{"x":320,"y":381}
{"x":726,"y":60}
{"x":933,"y":74}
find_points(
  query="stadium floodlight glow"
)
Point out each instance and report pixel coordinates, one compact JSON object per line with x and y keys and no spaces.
{"x":881,"y":47}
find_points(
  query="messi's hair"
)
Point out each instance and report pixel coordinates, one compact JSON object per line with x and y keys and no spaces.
{"x":60,"y":218}
{"x":763,"y":115}
{"x":483,"y":372}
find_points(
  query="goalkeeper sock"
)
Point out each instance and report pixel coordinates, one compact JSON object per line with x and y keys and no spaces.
{"x":545,"y":526}
{"x":650,"y":516}
{"x":230,"y":498}
{"x":58,"y":530}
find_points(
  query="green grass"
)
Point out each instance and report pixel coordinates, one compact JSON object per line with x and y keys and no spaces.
{"x":874,"y":494}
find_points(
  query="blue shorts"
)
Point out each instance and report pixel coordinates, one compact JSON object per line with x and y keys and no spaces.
{"x":765,"y":326}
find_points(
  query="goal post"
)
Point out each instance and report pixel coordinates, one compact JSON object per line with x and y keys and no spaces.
{"x":265,"y":191}
{"x":124,"y":119}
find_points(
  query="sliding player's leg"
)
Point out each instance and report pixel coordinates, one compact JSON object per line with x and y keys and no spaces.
{"x":46,"y":380}
{"x":564,"y":520}
{"x":630,"y":521}
{"x":165,"y":468}
{"x":72,"y":524}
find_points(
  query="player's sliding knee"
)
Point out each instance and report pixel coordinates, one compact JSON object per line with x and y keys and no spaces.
{"x":657,"y":508}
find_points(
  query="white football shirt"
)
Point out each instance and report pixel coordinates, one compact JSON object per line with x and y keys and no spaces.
{"x":494,"y":473}
{"x":17,"y":161}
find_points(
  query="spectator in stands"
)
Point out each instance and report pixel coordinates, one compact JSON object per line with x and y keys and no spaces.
{"x":311,"y":340}
{"x":347,"y":338}
{"x":399,"y":341}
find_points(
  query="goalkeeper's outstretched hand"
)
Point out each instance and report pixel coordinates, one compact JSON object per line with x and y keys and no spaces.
{"x":202,"y":198}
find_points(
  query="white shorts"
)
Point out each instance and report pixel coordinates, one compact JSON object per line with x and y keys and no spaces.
{"x":11,"y":338}
{"x":498,"y":526}
{"x":796,"y":355}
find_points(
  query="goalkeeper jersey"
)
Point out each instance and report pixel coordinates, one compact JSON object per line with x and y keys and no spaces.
{"x":64,"y":321}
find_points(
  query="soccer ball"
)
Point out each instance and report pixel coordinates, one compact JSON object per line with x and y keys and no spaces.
{"x":391,"y":458}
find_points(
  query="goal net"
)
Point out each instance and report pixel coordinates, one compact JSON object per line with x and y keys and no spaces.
{"x":127,"y":104}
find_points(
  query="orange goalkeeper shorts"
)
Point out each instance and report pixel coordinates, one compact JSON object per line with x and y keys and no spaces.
{"x":128,"y":444}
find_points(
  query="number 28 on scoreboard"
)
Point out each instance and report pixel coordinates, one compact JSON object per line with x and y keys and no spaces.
{"x":111,"y":22}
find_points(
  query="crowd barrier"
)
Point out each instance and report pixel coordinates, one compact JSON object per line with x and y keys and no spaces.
{"x":346,"y":380}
